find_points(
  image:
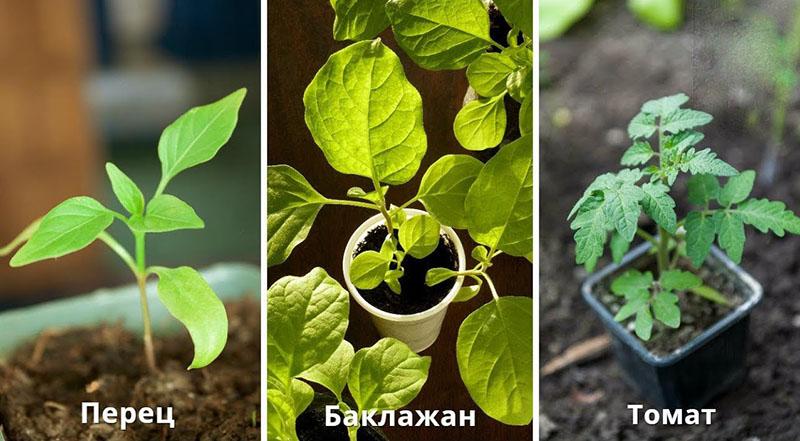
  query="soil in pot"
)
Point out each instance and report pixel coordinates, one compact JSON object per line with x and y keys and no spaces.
{"x":311,"y":424}
{"x":697,"y":313}
{"x":416,"y":295}
{"x":44,"y":382}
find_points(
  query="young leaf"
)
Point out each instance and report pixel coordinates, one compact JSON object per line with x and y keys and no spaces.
{"x":333,"y":372}
{"x":445,"y":185}
{"x":440,"y":35}
{"x":499,"y":204}
{"x":308,"y":317}
{"x":557,"y":16}
{"x":665,"y":106}
{"x":677,"y":280}
{"x":705,"y":162}
{"x":622,"y":207}
{"x":591,"y":232}
{"x":368,"y":269}
{"x":371,"y":124}
{"x":419,"y":235}
{"x":658,"y":204}
{"x":681,"y":141}
{"x":766,"y":215}
{"x":700,"y":232}
{"x":125,"y":189}
{"x":737,"y":189}
{"x":519,"y":13}
{"x":642,"y":125}
{"x":435,"y":276}
{"x":488,"y":73}
{"x":197,"y":135}
{"x":372,"y":196}
{"x":632,"y":284}
{"x":292,"y":206}
{"x":387,"y":375}
{"x":495,"y":358}
{"x":283,"y":405}
{"x":168,"y":213}
{"x":639,"y":153}
{"x":619,"y":247}
{"x":480,"y":253}
{"x":684,"y":119}
{"x":703,"y":188}
{"x":71,"y":226}
{"x":359,"y":19}
{"x":731,"y":236}
{"x":666,"y":309}
{"x":481,"y":123}
{"x":632,"y":306}
{"x":394,"y":285}
{"x":466,"y":293}
{"x":526,"y":116}
{"x":520,"y":83}
{"x":190,"y":299}
{"x":644,"y":324}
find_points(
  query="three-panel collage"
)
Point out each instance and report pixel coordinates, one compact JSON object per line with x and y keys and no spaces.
{"x":402,"y":220}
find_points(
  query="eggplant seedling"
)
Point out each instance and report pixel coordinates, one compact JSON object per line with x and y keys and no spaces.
{"x":613,"y":203}
{"x":193,"y":139}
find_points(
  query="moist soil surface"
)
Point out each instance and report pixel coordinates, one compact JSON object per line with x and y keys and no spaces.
{"x":415,"y":295}
{"x":597,"y":78}
{"x":44,"y":382}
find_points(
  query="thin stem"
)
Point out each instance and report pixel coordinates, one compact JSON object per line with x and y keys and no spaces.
{"x":349,"y":203}
{"x":663,"y":250}
{"x":411,"y":201}
{"x":141,"y":279}
{"x":382,"y":207}
{"x":491,"y":286}
{"x":646,"y":236}
{"x":120,"y":250}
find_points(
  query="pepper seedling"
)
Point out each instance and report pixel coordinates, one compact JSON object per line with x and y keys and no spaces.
{"x":307,"y":345}
{"x":612,"y":204}
{"x":193,"y":139}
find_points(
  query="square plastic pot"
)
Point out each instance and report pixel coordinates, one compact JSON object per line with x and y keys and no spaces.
{"x":707,"y":366}
{"x":231,"y":281}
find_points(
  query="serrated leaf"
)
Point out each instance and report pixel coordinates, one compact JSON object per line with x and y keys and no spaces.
{"x":684,"y":119}
{"x":435,"y":276}
{"x":499,"y":205}
{"x":666,"y":310}
{"x":619,"y":247}
{"x":127,"y":192}
{"x":518,"y":13}
{"x":766,"y":215}
{"x":334,"y":371}
{"x":705,"y":162}
{"x":681,"y":141}
{"x":189,"y":298}
{"x":387,"y":376}
{"x":642,"y":125}
{"x":677,"y":280}
{"x":168,"y":213}
{"x":591,"y":232}
{"x":488,"y":73}
{"x":481,"y":123}
{"x":364,"y":114}
{"x":622,"y":208}
{"x":495,"y":358}
{"x":644,"y":324}
{"x":359,"y":19}
{"x":639,"y":153}
{"x":368,"y":268}
{"x":700,"y":232}
{"x":307,"y":319}
{"x":197,"y":135}
{"x":666,"y":105}
{"x":557,"y":16}
{"x":440,"y":35}
{"x":731,"y":236}
{"x":737,"y":189}
{"x":703,"y":188}
{"x":632,"y":284}
{"x":292,"y":207}
{"x":632,"y":307}
{"x":71,"y":226}
{"x":658,"y":204}
{"x":419,"y":235}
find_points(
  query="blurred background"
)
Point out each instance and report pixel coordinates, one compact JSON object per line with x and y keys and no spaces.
{"x":89,"y":81}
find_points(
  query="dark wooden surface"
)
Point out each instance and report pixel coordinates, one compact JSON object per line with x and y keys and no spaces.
{"x":299,"y":42}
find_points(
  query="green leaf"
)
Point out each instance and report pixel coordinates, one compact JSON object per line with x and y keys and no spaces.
{"x":631,"y":307}
{"x":334,"y":371}
{"x":282,"y":405}
{"x":644,"y":324}
{"x":292,"y":206}
{"x":480,"y":253}
{"x":642,"y":125}
{"x":665,"y":106}
{"x":435,"y":276}
{"x":557,"y":16}
{"x":365,"y":115}
{"x":703,"y":188}
{"x":731,"y":236}
{"x":632,"y":284}
{"x":737,"y":189}
{"x":679,"y":142}
{"x":766,"y":215}
{"x":394,"y":285}
{"x":481,"y":123}
{"x":622,"y":207}
{"x":658,"y":204}
{"x":368,"y":268}
{"x":190,"y":299}
{"x":664,"y":15}
{"x":168,"y":213}
{"x":21,"y":238}
{"x":526,"y":116}
{"x":495,"y":358}
{"x":359,"y":19}
{"x":639,"y":153}
{"x":518,"y":13}
{"x":520,"y":83}
{"x":125,"y":189}
{"x":71,"y":226}
{"x":488,"y":73}
{"x":677,"y":280}
{"x":197,"y":135}
{"x":700,"y":232}
{"x":444,"y":188}
{"x":711,"y":294}
{"x":307,"y":319}
{"x":419,"y":235}
{"x":619,"y":247}
{"x":591,"y":232}
{"x":387,"y":376}
{"x":666,"y":309}
{"x":499,"y":205}
{"x":440,"y":35}
{"x":705,"y":162}
{"x":684,"y":119}
{"x":466,"y":293}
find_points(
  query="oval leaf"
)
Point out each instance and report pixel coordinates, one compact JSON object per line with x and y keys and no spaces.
{"x":359,"y":19}
{"x":370,"y":123}
{"x":69,"y":227}
{"x":518,"y":13}
{"x":189,"y":299}
{"x":128,"y":194}
{"x":445,"y":185}
{"x":419,"y":235}
{"x":495,"y":358}
{"x":333,"y":373}
{"x":435,"y":276}
{"x":368,"y":269}
{"x":168,"y":213}
{"x":488,"y":73}
{"x":481,"y":123}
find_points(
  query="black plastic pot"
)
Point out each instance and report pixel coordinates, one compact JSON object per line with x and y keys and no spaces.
{"x":691,"y":376}
{"x":311,"y":423}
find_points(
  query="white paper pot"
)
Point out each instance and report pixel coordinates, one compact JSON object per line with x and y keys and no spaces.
{"x":419,"y":331}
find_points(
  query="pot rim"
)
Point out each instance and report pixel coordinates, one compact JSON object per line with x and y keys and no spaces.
{"x":347,"y":259}
{"x":619,"y":331}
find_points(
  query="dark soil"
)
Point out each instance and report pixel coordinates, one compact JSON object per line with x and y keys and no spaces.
{"x":599,"y":75}
{"x":415,"y":295}
{"x":311,"y":424}
{"x":42,"y":401}
{"x":697,"y":314}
